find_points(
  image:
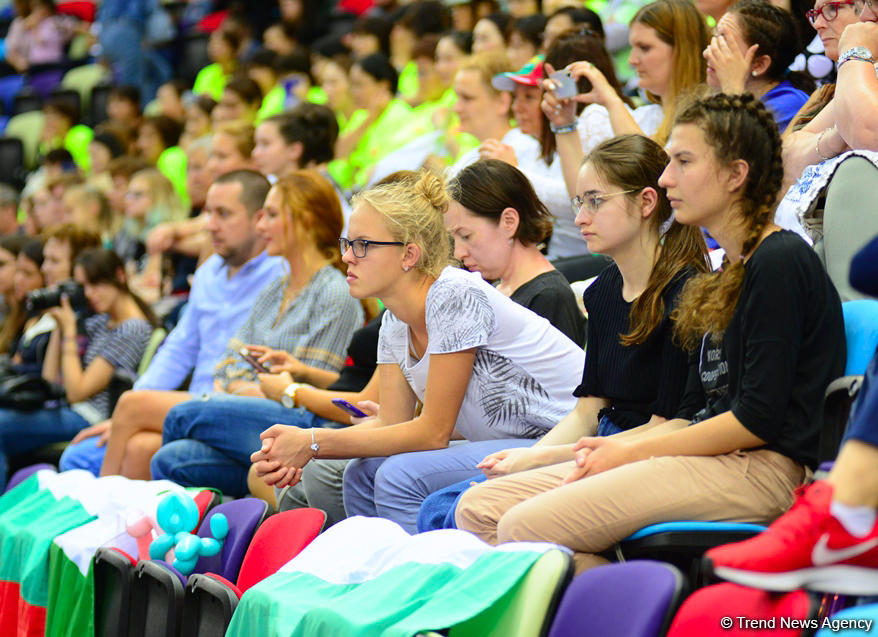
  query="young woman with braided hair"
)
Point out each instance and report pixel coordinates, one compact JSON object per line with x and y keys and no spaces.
{"x":766,"y":334}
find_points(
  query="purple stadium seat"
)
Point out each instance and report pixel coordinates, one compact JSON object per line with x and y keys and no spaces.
{"x":630,"y":599}
{"x":244,"y":516}
{"x":23,"y":474}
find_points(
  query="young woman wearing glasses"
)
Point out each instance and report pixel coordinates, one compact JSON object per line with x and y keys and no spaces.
{"x":463,"y":370}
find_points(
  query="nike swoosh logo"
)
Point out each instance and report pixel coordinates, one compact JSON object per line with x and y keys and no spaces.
{"x":823,"y":555}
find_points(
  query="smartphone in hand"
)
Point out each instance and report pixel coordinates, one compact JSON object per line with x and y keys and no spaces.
{"x":341,"y":403}
{"x":565,"y":84}
{"x":255,"y":364}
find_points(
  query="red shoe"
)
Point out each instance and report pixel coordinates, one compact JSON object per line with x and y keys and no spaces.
{"x":804,"y":548}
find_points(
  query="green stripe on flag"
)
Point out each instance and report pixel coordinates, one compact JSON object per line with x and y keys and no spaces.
{"x":404,"y":600}
{"x":19,"y":493}
{"x":71,"y":597}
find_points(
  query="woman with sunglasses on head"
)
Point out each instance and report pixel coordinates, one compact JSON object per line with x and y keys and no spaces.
{"x":825,"y":157}
{"x":773,"y":320}
{"x":487,"y":372}
{"x":634,"y":373}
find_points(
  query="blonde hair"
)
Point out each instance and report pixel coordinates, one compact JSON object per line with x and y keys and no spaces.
{"x":166,"y":203}
{"x":242,"y":134}
{"x":107,"y":221}
{"x":679,"y":24}
{"x":413,"y":213}
{"x":487,"y":65}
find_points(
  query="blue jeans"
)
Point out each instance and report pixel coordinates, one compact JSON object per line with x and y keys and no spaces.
{"x":437,"y":510}
{"x":23,"y":431}
{"x":207,"y":441}
{"x":394,"y":487}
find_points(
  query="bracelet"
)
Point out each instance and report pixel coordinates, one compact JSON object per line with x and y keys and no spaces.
{"x":564,"y":128}
{"x":819,"y":139}
{"x":859,"y":58}
{"x":314,"y":446}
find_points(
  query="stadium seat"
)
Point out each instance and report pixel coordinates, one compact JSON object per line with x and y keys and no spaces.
{"x":717,"y":611}
{"x":97,"y":108}
{"x":210,"y":599}
{"x":83,"y":79}
{"x":27,"y":127}
{"x":10,"y":85}
{"x":12,"y":161}
{"x":861,"y":333}
{"x":156,"y":600}
{"x":23,"y":474}
{"x":117,"y":611}
{"x":69,"y":96}
{"x":581,"y":267}
{"x":26,"y":101}
{"x":858,"y":614}
{"x":620,"y":600}
{"x":194,"y":56}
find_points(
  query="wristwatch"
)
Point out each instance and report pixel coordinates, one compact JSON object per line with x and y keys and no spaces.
{"x":856,"y":53}
{"x":288,"y":399}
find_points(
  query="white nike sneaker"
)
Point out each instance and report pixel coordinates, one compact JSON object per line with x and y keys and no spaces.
{"x":804,"y":548}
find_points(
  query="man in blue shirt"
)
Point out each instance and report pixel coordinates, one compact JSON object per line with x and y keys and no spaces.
{"x":223,"y":291}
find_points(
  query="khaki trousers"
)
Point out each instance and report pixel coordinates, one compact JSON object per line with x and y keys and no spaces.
{"x":594,"y":513}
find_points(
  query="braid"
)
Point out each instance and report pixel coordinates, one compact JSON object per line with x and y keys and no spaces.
{"x":736,"y":127}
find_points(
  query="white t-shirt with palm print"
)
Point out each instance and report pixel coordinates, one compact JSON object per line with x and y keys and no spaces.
{"x":525,"y":370}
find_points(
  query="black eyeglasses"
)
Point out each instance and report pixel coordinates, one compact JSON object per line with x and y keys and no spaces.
{"x":359,"y":246}
{"x":829,"y":11}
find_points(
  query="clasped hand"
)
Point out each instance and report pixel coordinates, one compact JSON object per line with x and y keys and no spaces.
{"x":284,"y":453}
{"x":596,"y":455}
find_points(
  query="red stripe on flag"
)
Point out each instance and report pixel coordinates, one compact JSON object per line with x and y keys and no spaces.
{"x":17,"y":617}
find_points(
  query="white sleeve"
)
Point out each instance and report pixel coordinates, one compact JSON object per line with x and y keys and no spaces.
{"x":459,"y":316}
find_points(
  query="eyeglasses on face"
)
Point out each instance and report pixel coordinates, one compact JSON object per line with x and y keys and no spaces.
{"x":360,"y":246}
{"x":592,"y":202}
{"x":829,"y":11}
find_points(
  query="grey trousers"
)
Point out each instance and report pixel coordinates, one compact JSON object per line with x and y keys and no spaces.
{"x":320,"y":488}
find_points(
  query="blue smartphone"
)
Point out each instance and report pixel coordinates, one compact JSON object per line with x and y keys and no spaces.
{"x":341,"y":403}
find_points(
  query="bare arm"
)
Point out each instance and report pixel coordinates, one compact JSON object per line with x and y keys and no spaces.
{"x":856,"y":94}
{"x":395,"y":430}
{"x":52,"y":359}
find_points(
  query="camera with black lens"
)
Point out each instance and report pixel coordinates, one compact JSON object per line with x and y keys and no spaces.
{"x":44,"y":298}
